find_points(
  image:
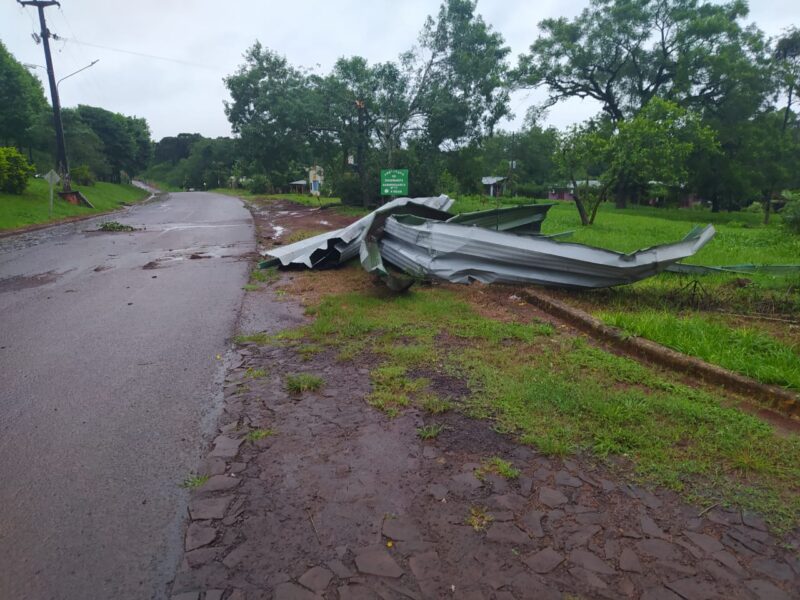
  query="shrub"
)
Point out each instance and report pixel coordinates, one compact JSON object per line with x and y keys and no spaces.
{"x":82,"y":175}
{"x":259,"y":184}
{"x":14,"y":171}
{"x":791,"y":216}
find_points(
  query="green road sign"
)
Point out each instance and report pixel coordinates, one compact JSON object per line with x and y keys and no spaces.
{"x":394,"y":182}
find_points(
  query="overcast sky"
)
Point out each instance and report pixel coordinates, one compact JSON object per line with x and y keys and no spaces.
{"x":206,"y":39}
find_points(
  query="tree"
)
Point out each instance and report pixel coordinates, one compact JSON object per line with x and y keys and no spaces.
{"x":449,"y":89}
{"x":21,"y":100}
{"x":623,"y":53}
{"x":578,"y":157}
{"x":654,"y":146}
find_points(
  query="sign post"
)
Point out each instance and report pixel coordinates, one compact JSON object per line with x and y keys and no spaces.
{"x":394,"y":182}
{"x":52,"y":178}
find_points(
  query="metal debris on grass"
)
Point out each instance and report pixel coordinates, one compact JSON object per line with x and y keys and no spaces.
{"x":410,"y":239}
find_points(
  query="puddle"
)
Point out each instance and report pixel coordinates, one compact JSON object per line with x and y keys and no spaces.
{"x":22,"y":282}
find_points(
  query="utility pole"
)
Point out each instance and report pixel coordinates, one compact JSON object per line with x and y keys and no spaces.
{"x":63,"y":166}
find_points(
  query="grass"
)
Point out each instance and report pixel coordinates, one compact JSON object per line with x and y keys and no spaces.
{"x":479,"y":518}
{"x":303,"y":382}
{"x":115,"y":226}
{"x":194,"y":481}
{"x":430,"y":432}
{"x":32,"y":207}
{"x":434,"y":404}
{"x":255,"y":373}
{"x":745,"y":350}
{"x":261,"y":338}
{"x":563,"y":396}
{"x":258,"y":434}
{"x":498,"y":466}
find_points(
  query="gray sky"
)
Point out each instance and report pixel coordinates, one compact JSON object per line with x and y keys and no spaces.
{"x":212,"y":35}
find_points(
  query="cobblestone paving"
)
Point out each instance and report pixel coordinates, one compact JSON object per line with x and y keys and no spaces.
{"x":342,"y":502}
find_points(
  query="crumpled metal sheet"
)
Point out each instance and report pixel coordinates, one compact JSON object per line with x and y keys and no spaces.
{"x":423,"y":241}
{"x":425,"y":248}
{"x":336,"y":247}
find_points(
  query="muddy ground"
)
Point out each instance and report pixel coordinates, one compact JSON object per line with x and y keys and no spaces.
{"x":339,"y":501}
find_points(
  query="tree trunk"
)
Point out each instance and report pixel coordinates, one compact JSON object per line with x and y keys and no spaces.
{"x":767,"y":206}
{"x":715,"y":203}
{"x":579,"y":204}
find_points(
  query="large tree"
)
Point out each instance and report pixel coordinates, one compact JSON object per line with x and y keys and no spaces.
{"x":623,"y":53}
{"x":21,"y":100}
{"x":448,"y":89}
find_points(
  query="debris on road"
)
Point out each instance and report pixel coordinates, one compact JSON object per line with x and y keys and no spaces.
{"x":115,"y":226}
{"x":409,"y":239}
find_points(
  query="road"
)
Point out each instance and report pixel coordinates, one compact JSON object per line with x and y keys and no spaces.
{"x":111,"y":383}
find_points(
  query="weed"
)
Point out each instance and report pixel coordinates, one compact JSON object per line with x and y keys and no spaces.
{"x":194,"y":481}
{"x":479,"y":519}
{"x":498,"y":466}
{"x":264,"y":275}
{"x":261,"y":338}
{"x":434,"y":404}
{"x":392,"y":388}
{"x":115,"y":226}
{"x":308,"y":351}
{"x":258,"y":434}
{"x":303,"y":382}
{"x":255,"y":373}
{"x":251,"y":287}
{"x":430,"y":432}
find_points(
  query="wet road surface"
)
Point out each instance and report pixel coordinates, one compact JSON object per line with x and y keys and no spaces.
{"x":110,"y":385}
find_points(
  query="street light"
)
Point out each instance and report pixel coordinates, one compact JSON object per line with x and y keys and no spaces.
{"x":91,"y":64}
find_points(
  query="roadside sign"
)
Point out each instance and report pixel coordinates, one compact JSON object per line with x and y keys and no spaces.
{"x":52,"y":178}
{"x":394,"y":182}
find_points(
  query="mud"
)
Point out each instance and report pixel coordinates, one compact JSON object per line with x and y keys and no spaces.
{"x":339,"y":501}
{"x":21,"y":282}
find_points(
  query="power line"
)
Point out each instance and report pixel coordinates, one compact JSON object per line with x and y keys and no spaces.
{"x":142,"y":54}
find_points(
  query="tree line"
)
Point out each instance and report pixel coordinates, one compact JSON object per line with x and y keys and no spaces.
{"x":101,"y":144}
{"x":694,"y":104}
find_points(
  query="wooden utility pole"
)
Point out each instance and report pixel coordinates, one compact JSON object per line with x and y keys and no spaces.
{"x":63,"y":166}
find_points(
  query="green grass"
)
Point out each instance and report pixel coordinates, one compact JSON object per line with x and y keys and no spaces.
{"x":745,"y":350}
{"x":498,"y":466}
{"x":255,"y":373}
{"x":479,"y":518}
{"x":563,"y":396}
{"x":194,"y":481}
{"x":303,"y":382}
{"x":261,"y":338}
{"x":32,"y":207}
{"x":258,"y":434}
{"x":430,"y":432}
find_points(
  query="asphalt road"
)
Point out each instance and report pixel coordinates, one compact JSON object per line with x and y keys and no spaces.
{"x":110,"y":384}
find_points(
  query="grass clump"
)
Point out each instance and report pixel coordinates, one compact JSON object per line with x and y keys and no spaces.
{"x":303,"y":382}
{"x":478,"y":518}
{"x":255,"y":373}
{"x":114,"y":226}
{"x":194,"y":481}
{"x":264,"y":275}
{"x":261,"y":338}
{"x":258,"y":434}
{"x":498,"y":466}
{"x":434,"y":404}
{"x":430,"y":432}
{"x":251,"y":287}
{"x":392,"y":388}
{"x":745,"y":350}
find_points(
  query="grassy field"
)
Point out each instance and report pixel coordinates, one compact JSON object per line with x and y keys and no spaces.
{"x":550,"y":390}
{"x":33,"y":206}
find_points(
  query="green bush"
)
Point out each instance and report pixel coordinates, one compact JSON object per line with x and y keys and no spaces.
{"x":791,"y":216}
{"x":259,"y":184}
{"x":14,"y":171}
{"x":82,"y":175}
